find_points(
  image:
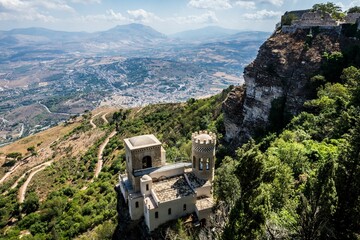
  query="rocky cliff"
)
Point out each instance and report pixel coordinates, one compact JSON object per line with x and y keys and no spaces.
{"x":277,"y":82}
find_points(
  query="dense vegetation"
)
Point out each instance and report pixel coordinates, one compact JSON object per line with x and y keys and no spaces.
{"x":302,"y":183}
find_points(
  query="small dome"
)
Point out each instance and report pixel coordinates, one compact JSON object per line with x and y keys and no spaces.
{"x":203,"y":137}
{"x":141,"y":141}
{"x":146,"y":177}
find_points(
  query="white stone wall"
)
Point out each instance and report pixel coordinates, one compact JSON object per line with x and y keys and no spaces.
{"x":203,"y":191}
{"x":136,"y":207}
{"x":143,"y":184}
{"x":177,"y":211}
{"x":204,"y":214}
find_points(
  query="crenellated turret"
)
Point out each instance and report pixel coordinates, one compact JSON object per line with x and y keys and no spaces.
{"x":203,"y":154}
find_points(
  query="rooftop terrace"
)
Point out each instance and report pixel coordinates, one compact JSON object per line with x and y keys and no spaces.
{"x":172,"y":188}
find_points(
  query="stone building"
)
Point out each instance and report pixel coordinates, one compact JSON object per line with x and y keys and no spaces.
{"x":161,"y":192}
{"x":351,"y":18}
{"x":307,"y":19}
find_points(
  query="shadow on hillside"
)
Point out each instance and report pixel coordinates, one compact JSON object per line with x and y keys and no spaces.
{"x":126,"y":228}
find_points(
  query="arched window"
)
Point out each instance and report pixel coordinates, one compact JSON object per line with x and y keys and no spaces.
{"x":184,"y":207}
{"x":146,"y":162}
{"x":207,"y":164}
{"x":147,"y":187}
{"x":136,"y":204}
{"x":201,"y":167}
{"x":194,"y":162}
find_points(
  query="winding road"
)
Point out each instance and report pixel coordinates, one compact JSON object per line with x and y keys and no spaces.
{"x":91,"y":120}
{"x":21,"y":130}
{"x":23,"y":188}
{"x":100,"y":154}
{"x":48,"y":110}
{"x":40,"y":167}
{"x":104,"y":118}
{"x":11,"y":171}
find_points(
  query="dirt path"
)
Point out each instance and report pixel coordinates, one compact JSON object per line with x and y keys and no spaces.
{"x":48,"y":110}
{"x":100,"y":154}
{"x":91,"y":120}
{"x":22,"y":176}
{"x":23,"y":188}
{"x":13,"y":169}
{"x":104,"y":118}
{"x":20,"y":163}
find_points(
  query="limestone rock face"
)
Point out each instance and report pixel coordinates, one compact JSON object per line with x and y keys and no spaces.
{"x":281,"y":72}
{"x":232,"y":108}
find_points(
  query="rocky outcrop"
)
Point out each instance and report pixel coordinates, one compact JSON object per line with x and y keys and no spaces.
{"x":233,"y":118}
{"x":277,"y":82}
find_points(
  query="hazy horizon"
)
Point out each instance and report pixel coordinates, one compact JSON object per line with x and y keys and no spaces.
{"x":167,"y":17}
{"x":192,"y":29}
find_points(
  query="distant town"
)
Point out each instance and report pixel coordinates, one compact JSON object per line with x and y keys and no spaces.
{"x":46,"y":77}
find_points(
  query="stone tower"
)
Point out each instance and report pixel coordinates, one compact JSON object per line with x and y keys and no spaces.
{"x":203,"y":154}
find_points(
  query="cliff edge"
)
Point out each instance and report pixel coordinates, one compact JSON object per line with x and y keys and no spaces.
{"x":277,"y":82}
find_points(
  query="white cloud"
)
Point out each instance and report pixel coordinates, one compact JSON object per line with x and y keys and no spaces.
{"x":262,"y":14}
{"x":53,"y":5}
{"x":115,"y":16}
{"x":210,"y":4}
{"x":31,"y":16}
{"x":347,"y":6}
{"x":278,"y":3}
{"x":246,"y":4}
{"x":110,"y":16}
{"x":31,"y":10}
{"x":140,"y":15}
{"x":354,"y":3}
{"x":13,"y":5}
{"x":86,"y":1}
{"x":208,"y":17}
{"x":226,"y":4}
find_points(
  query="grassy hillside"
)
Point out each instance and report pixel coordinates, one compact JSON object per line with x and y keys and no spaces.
{"x":64,"y":200}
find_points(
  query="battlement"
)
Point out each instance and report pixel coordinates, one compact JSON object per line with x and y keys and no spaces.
{"x":204,"y":137}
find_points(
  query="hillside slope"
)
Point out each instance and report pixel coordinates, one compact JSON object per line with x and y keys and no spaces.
{"x":66,"y":194}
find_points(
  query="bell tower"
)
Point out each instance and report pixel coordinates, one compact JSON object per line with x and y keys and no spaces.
{"x":203,"y":154}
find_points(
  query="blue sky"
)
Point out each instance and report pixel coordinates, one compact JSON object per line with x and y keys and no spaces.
{"x":166,"y":16}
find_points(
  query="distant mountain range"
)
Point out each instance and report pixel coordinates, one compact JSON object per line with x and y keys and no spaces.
{"x":204,"y":34}
{"x":120,"y":39}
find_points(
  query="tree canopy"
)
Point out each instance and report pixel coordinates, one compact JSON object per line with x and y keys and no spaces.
{"x":334,"y":10}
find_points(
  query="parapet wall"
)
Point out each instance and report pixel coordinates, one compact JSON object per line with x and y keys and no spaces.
{"x":208,"y":141}
{"x":293,"y":28}
{"x":321,"y":20}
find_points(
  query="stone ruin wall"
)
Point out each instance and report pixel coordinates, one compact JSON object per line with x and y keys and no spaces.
{"x":352,"y":18}
{"x":323,"y":21}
